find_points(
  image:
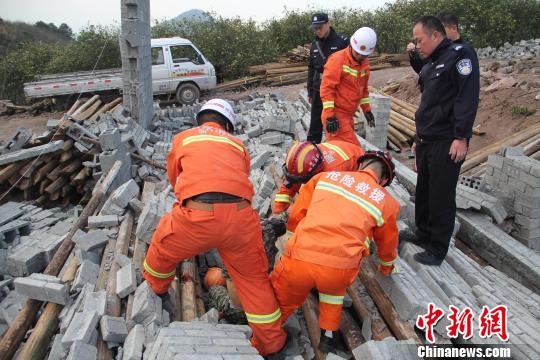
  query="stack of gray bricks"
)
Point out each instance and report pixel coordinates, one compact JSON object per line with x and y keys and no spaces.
{"x":152,"y":212}
{"x":136,"y":59}
{"x":517,"y":178}
{"x":380,"y":107}
{"x":43,"y":287}
{"x":199,"y":340}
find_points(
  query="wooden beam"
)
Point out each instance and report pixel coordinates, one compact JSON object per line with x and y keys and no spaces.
{"x":401,"y":329}
{"x":312,"y":323}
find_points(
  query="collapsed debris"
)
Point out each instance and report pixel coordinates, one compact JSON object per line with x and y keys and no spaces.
{"x":98,"y":303}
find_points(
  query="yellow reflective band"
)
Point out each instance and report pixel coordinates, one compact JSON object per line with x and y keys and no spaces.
{"x":331,"y":299}
{"x":363,"y":73}
{"x":263,"y":319}
{"x":350,"y":71}
{"x":364,"y":101}
{"x":302,"y":157}
{"x":328,"y":104}
{"x":155,"y":273}
{"x":387,"y":263}
{"x":338,"y":150}
{"x":367,"y":243}
{"x":283,"y":198}
{"x":221,"y":139}
{"x":372,"y":210}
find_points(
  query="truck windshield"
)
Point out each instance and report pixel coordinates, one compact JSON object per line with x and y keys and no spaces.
{"x":185,"y":53}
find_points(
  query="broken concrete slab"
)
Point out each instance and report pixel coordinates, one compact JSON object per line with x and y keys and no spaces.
{"x":82,"y":351}
{"x":126,"y":281}
{"x":31,"y":152}
{"x":81,"y":327}
{"x":44,"y":288}
{"x":113,"y":329}
{"x":96,"y":301}
{"x":94,"y":239}
{"x":87,"y":273}
{"x":147,"y":306}
{"x":103,"y":221}
{"x":133,"y":345}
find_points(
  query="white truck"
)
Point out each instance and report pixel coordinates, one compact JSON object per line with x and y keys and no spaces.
{"x":178,"y":67}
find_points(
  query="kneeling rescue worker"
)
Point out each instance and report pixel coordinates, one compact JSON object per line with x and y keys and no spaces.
{"x":305,"y":160}
{"x":209,"y":168}
{"x":344,"y":87}
{"x":334,"y":217}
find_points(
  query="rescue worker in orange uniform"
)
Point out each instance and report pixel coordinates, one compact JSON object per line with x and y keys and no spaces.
{"x":334,"y":217}
{"x":345,"y":86}
{"x":209,"y":169}
{"x":305,"y":160}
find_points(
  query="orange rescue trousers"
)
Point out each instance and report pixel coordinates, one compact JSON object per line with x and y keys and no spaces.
{"x":346,"y":128}
{"x":235,"y":231}
{"x":293,"y":279}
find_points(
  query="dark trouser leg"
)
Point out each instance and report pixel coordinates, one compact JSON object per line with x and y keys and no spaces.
{"x":422,"y":193}
{"x":315,"y":126}
{"x":443,"y":178}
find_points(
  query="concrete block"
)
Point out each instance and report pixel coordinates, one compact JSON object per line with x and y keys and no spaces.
{"x":93,"y":256}
{"x":113,"y":329}
{"x":212,"y":316}
{"x":31,"y":152}
{"x":147,"y":306}
{"x":82,"y":351}
{"x":87,"y":273}
{"x":96,"y":301}
{"x":43,"y":288}
{"x":100,"y":221}
{"x":254,"y":131}
{"x":126,"y":281}
{"x":133,"y":345}
{"x":81,"y":327}
{"x":110,"y":139}
{"x":147,"y":221}
{"x":94,"y":239}
{"x":258,"y":161}
{"x":120,"y":198}
{"x":58,"y":351}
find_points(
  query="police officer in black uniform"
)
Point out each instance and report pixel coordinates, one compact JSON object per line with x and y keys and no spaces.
{"x":450,"y":85}
{"x":327,"y":41}
{"x":451,"y":26}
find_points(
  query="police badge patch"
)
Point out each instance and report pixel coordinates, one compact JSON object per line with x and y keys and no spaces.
{"x":464,"y":66}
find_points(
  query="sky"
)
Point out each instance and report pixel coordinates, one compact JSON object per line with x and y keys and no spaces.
{"x":78,"y":14}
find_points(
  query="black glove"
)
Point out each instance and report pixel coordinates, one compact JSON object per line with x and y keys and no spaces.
{"x":332,"y":124}
{"x":370,"y":118}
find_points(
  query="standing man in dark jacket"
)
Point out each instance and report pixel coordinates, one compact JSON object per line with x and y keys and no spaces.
{"x":450,"y":85}
{"x":451,"y":26}
{"x":327,"y":41}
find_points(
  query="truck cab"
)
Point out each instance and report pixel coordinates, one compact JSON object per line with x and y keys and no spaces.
{"x":179,"y":67}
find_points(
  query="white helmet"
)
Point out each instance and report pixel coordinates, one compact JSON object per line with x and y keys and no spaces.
{"x":364,"y":40}
{"x":220,"y":106}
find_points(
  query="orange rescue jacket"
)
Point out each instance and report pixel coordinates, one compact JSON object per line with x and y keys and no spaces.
{"x":344,"y":84}
{"x":336,"y":214}
{"x":208,"y":159}
{"x":338,"y":156}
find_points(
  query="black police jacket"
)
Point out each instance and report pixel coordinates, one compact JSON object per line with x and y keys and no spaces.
{"x":417,"y":62}
{"x":450,"y":85}
{"x":332,"y":43}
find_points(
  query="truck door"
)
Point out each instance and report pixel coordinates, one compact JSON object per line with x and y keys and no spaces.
{"x":161,"y":81}
{"x":188,"y":64}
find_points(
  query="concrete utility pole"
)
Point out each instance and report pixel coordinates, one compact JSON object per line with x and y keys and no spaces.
{"x":136,"y":59}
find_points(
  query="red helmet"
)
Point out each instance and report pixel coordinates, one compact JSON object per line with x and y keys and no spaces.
{"x":304,"y":160}
{"x":386,"y":159}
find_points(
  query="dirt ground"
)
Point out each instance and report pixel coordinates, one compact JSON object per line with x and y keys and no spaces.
{"x":494,"y":114}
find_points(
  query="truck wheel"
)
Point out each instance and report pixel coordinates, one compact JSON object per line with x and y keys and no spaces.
{"x":187,"y":94}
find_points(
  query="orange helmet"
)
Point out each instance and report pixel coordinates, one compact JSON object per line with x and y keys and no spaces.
{"x":304,"y":160}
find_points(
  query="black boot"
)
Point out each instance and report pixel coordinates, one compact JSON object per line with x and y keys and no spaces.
{"x":427,"y":259}
{"x":281,"y":354}
{"x":327,"y":343}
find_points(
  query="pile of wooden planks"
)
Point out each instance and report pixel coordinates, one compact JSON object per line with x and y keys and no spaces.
{"x":50,"y":167}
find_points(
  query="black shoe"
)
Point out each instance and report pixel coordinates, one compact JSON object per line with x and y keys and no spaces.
{"x":327,"y":344}
{"x":427,"y":259}
{"x":409,"y":236}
